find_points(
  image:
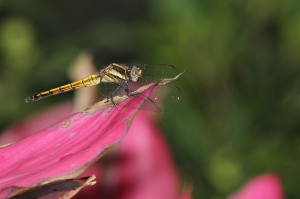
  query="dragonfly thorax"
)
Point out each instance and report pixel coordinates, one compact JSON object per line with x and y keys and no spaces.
{"x":135,"y":73}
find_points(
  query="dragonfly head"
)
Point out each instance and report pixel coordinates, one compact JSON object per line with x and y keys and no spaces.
{"x":135,"y":73}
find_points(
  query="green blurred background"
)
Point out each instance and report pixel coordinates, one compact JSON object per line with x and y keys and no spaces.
{"x":242,"y":82}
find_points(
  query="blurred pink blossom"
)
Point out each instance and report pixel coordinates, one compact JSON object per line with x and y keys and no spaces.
{"x":265,"y":186}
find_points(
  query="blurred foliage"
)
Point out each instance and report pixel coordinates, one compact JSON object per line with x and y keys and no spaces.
{"x":242,"y":80}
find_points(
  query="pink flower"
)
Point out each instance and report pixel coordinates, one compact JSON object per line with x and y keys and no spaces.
{"x":265,"y":186}
{"x":140,"y":167}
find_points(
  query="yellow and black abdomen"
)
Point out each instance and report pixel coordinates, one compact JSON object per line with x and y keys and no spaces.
{"x":88,"y":81}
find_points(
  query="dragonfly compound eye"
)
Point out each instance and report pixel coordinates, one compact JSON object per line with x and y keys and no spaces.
{"x":135,"y":73}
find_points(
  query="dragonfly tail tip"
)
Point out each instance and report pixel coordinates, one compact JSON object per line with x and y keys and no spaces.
{"x":28,"y":99}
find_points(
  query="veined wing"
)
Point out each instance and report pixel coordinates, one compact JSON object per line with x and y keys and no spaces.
{"x":154,"y":72}
{"x":151,"y":74}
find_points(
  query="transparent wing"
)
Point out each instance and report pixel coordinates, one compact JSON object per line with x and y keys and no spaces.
{"x":112,"y":89}
{"x":169,"y":94}
{"x":153,"y":73}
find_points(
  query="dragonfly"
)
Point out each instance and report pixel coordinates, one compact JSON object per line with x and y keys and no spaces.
{"x":119,"y":79}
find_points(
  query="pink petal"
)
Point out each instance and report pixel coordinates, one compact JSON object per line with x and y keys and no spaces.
{"x":266,"y":186}
{"x":140,"y":167}
{"x":36,"y":122}
{"x":65,"y":149}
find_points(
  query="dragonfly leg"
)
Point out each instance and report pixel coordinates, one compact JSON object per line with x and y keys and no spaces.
{"x":113,"y":101}
{"x":127,"y":90}
{"x":113,"y":94}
